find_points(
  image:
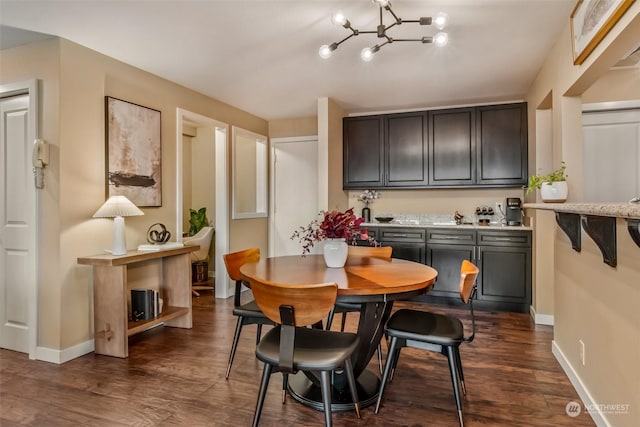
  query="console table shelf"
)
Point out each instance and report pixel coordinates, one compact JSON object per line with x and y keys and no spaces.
{"x":112,"y":327}
{"x":599,"y":222}
{"x":167,"y":314}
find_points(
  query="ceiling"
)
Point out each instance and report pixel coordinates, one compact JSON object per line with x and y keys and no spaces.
{"x":262,"y":55}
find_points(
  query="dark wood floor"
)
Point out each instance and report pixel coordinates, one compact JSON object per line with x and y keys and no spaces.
{"x":175,"y":377}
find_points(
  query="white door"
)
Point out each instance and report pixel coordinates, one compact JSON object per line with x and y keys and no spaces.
{"x":18,"y":228}
{"x":611,"y":155}
{"x":294,"y":191}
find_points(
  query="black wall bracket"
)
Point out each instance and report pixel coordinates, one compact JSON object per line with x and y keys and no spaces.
{"x":602,"y":229}
{"x":570,"y":224}
{"x":633,"y":225}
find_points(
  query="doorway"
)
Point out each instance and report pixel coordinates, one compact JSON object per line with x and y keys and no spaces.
{"x":217,"y":136}
{"x":611,"y":150}
{"x":18,"y":218}
{"x":294,"y":191}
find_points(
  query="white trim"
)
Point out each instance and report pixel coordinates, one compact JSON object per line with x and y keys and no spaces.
{"x":221,"y":241}
{"x":578,"y":385}
{"x":262,"y":210}
{"x":608,"y":106}
{"x":61,"y":356}
{"x":439,"y":107}
{"x":541,"y":319}
{"x":31,"y":87}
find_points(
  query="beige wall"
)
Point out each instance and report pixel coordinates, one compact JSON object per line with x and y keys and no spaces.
{"x":435,"y":201}
{"x":286,"y":128}
{"x":75,"y":81}
{"x":592,"y":301}
{"x":616,"y":85}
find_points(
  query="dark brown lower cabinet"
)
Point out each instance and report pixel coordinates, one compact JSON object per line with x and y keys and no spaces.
{"x":504,"y":259}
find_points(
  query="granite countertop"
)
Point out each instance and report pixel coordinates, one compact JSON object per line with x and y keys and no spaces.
{"x":444,"y":224}
{"x":619,"y":210}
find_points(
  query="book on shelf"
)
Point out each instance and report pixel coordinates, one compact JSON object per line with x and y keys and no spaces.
{"x":145,"y":304}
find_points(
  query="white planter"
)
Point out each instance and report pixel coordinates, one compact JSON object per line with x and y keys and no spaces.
{"x":335,"y":252}
{"x":554,"y":192}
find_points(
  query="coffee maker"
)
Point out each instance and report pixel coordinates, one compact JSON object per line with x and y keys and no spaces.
{"x":513,"y":214}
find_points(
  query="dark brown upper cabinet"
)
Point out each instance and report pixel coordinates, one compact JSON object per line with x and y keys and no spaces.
{"x":363,"y":152}
{"x":502,"y":145}
{"x":456,"y":148}
{"x":452,"y":147}
{"x":406,"y":150}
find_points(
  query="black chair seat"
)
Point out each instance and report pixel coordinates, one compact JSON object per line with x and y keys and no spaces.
{"x":346,"y":307}
{"x":426,"y":327}
{"x":315,"y":349}
{"x":249,"y":309}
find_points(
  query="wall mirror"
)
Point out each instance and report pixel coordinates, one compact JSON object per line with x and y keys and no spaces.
{"x":249,"y":174}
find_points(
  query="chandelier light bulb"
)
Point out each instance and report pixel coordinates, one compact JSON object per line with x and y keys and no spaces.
{"x":441,"y":20}
{"x":338,"y":18}
{"x":382,"y":3}
{"x":368,"y":53}
{"x":324,"y":52}
{"x":441,"y":39}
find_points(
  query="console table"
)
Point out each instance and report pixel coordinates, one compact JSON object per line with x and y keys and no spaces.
{"x":112,"y":327}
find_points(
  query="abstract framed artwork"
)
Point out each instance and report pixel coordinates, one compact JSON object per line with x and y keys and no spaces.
{"x":591,"y":20}
{"x":133,"y":158}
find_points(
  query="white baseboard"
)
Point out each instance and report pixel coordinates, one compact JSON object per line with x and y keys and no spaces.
{"x":587,"y":399}
{"x":62,"y":356}
{"x":541,"y":319}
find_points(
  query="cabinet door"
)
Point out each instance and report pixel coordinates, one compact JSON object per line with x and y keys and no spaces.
{"x":502,"y":144}
{"x":505,"y":274}
{"x":409,"y":251}
{"x":407,"y":243}
{"x":363,"y":152}
{"x":406,"y":150}
{"x":452,"y":147}
{"x":447,"y":259}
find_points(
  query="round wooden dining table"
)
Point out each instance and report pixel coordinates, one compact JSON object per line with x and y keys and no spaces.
{"x":374,"y":283}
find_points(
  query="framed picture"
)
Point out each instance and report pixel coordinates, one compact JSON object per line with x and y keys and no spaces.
{"x":591,"y":20}
{"x":134,"y":166}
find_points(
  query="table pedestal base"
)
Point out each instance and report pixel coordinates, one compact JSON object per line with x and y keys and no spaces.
{"x":308,"y":393}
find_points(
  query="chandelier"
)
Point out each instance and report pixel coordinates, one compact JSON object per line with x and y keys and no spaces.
{"x":439,"y":21}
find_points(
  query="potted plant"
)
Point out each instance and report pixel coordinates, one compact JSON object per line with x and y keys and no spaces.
{"x":553,"y":186}
{"x":335,"y":229}
{"x":197,"y":220}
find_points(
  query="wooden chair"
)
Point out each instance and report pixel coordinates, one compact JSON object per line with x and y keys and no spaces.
{"x":346,"y":307}
{"x":434,"y":332}
{"x":291,"y":346}
{"x":248,"y":313}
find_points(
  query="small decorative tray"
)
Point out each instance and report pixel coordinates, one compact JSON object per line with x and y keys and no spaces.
{"x":384,"y":219}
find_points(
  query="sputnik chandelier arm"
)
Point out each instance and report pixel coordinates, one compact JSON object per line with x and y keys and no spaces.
{"x":439,"y":39}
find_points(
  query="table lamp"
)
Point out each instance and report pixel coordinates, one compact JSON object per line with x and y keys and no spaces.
{"x":117,"y":207}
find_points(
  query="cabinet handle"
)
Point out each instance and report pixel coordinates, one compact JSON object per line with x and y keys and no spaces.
{"x":504,"y":239}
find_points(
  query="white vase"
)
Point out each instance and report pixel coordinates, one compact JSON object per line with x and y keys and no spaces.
{"x":335,"y":252}
{"x":554,"y":192}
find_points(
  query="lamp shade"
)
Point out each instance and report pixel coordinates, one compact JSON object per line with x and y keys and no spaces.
{"x":117,"y":206}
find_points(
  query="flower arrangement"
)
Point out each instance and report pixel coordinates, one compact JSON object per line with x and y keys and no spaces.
{"x":334,"y":225}
{"x":368,"y":196}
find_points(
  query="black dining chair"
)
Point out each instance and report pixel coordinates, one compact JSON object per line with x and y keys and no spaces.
{"x":247,"y":313}
{"x":350,"y":307}
{"x":291,"y":346}
{"x":441,"y":333}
